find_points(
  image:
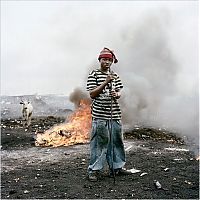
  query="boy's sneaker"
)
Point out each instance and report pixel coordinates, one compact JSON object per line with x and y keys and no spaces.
{"x":122,"y":171}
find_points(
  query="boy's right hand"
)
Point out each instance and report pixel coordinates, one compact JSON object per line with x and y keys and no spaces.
{"x":110,"y":77}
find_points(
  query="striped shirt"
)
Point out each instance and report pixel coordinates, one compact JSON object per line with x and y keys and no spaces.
{"x":101,"y":105}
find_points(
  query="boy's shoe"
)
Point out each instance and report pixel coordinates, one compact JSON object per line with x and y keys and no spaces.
{"x":92,"y":177}
{"x":120,"y":172}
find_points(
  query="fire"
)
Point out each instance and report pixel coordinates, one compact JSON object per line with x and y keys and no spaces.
{"x":75,"y":131}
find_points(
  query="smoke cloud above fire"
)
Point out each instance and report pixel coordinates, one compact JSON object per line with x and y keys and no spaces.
{"x":160,"y":76}
{"x":77,"y":95}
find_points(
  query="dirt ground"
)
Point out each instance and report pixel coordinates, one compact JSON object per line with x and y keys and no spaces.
{"x":30,"y":172}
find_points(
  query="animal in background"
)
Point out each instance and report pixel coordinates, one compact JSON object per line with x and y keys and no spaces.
{"x":27,"y":110}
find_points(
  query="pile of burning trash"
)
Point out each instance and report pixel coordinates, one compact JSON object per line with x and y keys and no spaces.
{"x":75,"y":131}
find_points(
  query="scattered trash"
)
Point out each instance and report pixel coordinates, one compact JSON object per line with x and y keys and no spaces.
{"x":26,"y":191}
{"x":130,"y":195}
{"x":136,"y":126}
{"x":133,"y":170}
{"x":166,"y":169}
{"x":16,"y":179}
{"x":170,"y":140}
{"x":156,"y":152}
{"x":176,"y":149}
{"x":188,"y":182}
{"x":178,"y":159}
{"x":142,"y":174}
{"x":157,"y":184}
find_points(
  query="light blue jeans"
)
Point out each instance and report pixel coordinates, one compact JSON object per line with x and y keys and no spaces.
{"x":104,"y":147}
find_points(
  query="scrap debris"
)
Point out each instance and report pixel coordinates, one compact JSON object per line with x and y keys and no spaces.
{"x":157,"y":184}
{"x":150,"y":133}
{"x":133,"y":171}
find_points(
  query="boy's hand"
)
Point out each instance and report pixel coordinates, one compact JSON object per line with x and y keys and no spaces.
{"x":110,"y":77}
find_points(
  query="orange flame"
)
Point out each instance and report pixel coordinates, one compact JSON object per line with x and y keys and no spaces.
{"x":76,"y":131}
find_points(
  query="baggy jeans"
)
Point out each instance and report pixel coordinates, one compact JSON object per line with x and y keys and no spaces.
{"x":106,"y":145}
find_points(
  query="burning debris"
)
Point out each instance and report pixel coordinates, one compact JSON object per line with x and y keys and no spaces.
{"x":75,"y":131}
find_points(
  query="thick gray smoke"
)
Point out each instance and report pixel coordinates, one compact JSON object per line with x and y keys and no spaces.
{"x":149,"y":72}
{"x":156,"y":80}
{"x":160,"y":88}
{"x":76,"y":96}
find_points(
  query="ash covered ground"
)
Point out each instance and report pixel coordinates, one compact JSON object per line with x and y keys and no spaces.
{"x":30,"y":172}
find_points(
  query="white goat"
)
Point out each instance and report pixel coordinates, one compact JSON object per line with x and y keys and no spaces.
{"x":27,"y":110}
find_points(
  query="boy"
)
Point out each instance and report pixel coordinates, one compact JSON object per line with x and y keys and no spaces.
{"x":106,"y":143}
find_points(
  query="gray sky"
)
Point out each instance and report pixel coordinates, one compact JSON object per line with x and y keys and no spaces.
{"x":48,"y":47}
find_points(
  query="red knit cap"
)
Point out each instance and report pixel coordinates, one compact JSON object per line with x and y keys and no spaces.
{"x":107,"y":53}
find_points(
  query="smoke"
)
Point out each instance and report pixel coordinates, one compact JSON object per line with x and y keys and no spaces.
{"x":159,"y":88}
{"x":149,"y":71}
{"x":77,"y":95}
{"x":159,"y":70}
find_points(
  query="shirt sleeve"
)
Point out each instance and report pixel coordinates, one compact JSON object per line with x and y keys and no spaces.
{"x":118,"y":83}
{"x":91,"y":81}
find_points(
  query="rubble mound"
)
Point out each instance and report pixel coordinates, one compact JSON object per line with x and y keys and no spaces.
{"x":156,"y":134}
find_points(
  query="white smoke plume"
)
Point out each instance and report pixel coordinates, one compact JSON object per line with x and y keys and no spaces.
{"x":160,"y":88}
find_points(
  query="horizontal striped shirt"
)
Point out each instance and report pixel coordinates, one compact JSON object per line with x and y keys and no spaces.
{"x":101,"y":105}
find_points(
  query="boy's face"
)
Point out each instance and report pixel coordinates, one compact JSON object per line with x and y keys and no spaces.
{"x":106,"y":63}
